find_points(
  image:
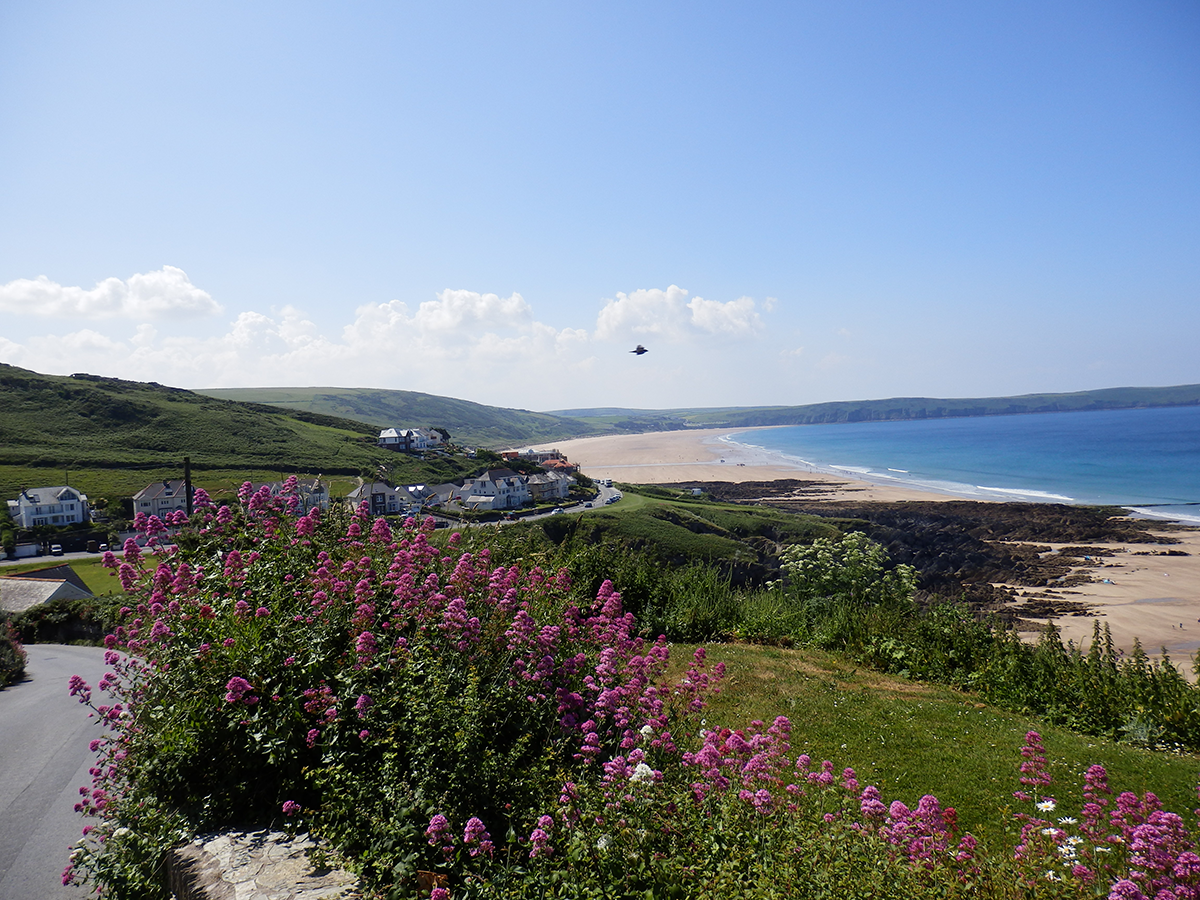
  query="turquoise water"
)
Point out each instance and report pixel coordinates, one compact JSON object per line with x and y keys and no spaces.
{"x":1145,"y":459}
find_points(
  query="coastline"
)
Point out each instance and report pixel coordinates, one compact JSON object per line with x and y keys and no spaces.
{"x":665,"y":457}
{"x":1148,"y":592}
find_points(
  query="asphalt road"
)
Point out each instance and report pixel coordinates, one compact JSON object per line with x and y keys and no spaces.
{"x":44,"y":760}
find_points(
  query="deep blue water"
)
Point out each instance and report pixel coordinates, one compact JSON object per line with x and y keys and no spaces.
{"x":1146,"y":459}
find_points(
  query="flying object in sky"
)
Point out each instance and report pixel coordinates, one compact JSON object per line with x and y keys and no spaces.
{"x":640,"y":350}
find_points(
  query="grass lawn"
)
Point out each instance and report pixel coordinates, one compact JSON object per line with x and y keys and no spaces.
{"x":912,"y":739}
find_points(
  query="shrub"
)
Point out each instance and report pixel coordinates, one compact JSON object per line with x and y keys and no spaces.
{"x":364,"y":680}
{"x":12,"y":655}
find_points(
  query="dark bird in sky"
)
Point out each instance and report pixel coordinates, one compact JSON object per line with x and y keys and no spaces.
{"x":640,"y":350}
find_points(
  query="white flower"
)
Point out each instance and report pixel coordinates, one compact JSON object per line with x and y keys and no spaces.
{"x":1074,"y":840}
{"x":603,"y":842}
{"x":642,"y":772}
{"x":647,"y":730}
{"x":1053,"y":876}
{"x":1067,"y":820}
{"x":1066,"y":851}
{"x":1050,"y":832}
{"x":120,"y":833}
{"x":1046,"y":805}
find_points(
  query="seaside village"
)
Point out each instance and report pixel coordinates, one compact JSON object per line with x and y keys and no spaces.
{"x":53,"y":520}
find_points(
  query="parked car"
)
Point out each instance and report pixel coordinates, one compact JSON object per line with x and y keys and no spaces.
{"x":56,"y":549}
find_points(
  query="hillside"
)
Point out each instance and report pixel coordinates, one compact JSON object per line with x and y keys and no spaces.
{"x":468,"y":423}
{"x":127,"y":433}
{"x":498,"y":428}
{"x":896,"y":408}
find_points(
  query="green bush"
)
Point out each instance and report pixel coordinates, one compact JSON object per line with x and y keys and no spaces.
{"x":12,"y":655}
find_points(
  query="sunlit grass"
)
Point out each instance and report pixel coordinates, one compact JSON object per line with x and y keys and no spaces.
{"x":911,"y":738}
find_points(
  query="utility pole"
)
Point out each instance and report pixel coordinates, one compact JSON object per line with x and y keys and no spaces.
{"x":187,"y":485}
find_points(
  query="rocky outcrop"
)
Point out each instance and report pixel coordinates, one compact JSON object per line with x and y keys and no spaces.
{"x":258,"y":865}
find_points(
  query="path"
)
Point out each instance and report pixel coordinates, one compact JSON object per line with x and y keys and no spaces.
{"x":44,"y":760}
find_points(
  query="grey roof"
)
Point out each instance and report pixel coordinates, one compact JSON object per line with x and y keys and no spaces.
{"x":51,"y":494}
{"x":373,"y":487}
{"x":159,"y":489}
{"x":20,"y":594}
{"x":57,"y":572}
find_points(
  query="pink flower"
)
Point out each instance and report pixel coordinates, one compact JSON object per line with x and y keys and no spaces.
{"x":438,"y":827}
{"x":477,"y":838}
{"x":239,"y":691}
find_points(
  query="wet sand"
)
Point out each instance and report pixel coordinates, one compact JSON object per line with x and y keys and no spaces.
{"x":1136,"y":592}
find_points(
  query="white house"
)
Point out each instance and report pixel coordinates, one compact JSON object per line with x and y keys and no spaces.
{"x":409,"y":439}
{"x":495,"y":489}
{"x":61,"y":505}
{"x":312,"y":493}
{"x":160,"y":498}
{"x":382,"y":499}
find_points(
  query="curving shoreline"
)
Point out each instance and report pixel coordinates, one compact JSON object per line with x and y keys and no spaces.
{"x":1137,"y":592}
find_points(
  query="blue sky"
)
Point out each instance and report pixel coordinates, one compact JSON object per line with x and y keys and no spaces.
{"x":785,"y":202}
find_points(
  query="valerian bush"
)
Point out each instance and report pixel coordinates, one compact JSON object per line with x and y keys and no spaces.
{"x":358,"y":679}
{"x":423,"y":709}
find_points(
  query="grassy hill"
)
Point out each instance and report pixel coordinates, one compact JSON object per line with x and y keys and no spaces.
{"x":468,"y":423}
{"x":112,"y":437}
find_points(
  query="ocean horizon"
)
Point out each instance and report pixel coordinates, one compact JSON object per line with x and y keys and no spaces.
{"x":1146,"y":460}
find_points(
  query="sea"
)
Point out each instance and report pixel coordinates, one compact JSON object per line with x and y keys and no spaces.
{"x":1147,"y":460}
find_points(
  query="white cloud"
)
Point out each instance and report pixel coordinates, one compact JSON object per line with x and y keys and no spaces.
{"x":659,"y":313}
{"x":463,"y":343}
{"x":166,"y":293}
{"x":737,"y":317}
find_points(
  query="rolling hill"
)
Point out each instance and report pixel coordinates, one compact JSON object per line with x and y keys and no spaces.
{"x":125,"y":434}
{"x":899,"y":408}
{"x":500,"y":428}
{"x":468,"y":423}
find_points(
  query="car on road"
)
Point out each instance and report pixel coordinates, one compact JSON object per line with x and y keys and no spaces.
{"x":56,"y":550}
{"x":558,"y":512}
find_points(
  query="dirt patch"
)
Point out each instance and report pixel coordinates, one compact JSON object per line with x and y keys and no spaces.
{"x":854,"y":680}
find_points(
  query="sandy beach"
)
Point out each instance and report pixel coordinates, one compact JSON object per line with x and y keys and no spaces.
{"x":1138,"y":591}
{"x":666,"y":457}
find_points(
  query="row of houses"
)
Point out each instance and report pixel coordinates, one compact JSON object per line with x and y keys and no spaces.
{"x":64,"y":505}
{"x":495,"y":489}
